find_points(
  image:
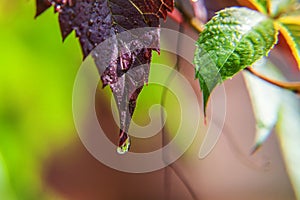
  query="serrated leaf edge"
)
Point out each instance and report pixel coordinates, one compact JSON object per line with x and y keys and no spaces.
{"x":205,"y":103}
{"x":290,"y":41}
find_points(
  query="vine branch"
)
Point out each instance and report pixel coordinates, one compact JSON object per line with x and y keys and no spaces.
{"x":181,"y":16}
{"x":292,"y":86}
{"x":165,"y":137}
{"x":167,"y":175}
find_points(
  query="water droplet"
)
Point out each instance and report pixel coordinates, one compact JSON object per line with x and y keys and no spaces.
{"x":124,"y":147}
{"x":91,"y":22}
{"x":58,"y":8}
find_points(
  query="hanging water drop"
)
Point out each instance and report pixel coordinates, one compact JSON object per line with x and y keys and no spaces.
{"x":124,"y":147}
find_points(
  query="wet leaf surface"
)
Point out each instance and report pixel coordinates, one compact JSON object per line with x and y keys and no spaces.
{"x":232,"y":40}
{"x":126,"y":65}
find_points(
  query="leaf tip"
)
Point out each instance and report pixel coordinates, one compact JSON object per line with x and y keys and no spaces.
{"x":205,"y":119}
{"x":255,"y":148}
{"x":41,"y":6}
{"x":123,"y":148}
{"x":290,"y":38}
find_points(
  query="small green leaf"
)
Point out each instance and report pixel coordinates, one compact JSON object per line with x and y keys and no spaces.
{"x":283,"y":107}
{"x":265,"y":109}
{"x":232,"y":40}
{"x":289,"y":26}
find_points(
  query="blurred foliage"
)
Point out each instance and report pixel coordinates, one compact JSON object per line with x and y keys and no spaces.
{"x":36,"y":79}
{"x":280,"y":110}
{"x":266,"y":113}
{"x":289,"y":137}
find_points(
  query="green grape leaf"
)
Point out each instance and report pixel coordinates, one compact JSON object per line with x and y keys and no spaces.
{"x":232,"y":40}
{"x":265,"y":113}
{"x":289,"y":27}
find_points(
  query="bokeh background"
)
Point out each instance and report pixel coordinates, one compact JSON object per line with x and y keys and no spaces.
{"x":41,"y":156}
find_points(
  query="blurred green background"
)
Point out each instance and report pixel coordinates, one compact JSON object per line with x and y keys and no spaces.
{"x":36,"y":79}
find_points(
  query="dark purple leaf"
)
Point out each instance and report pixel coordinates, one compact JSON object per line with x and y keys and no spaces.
{"x":124,"y":62}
